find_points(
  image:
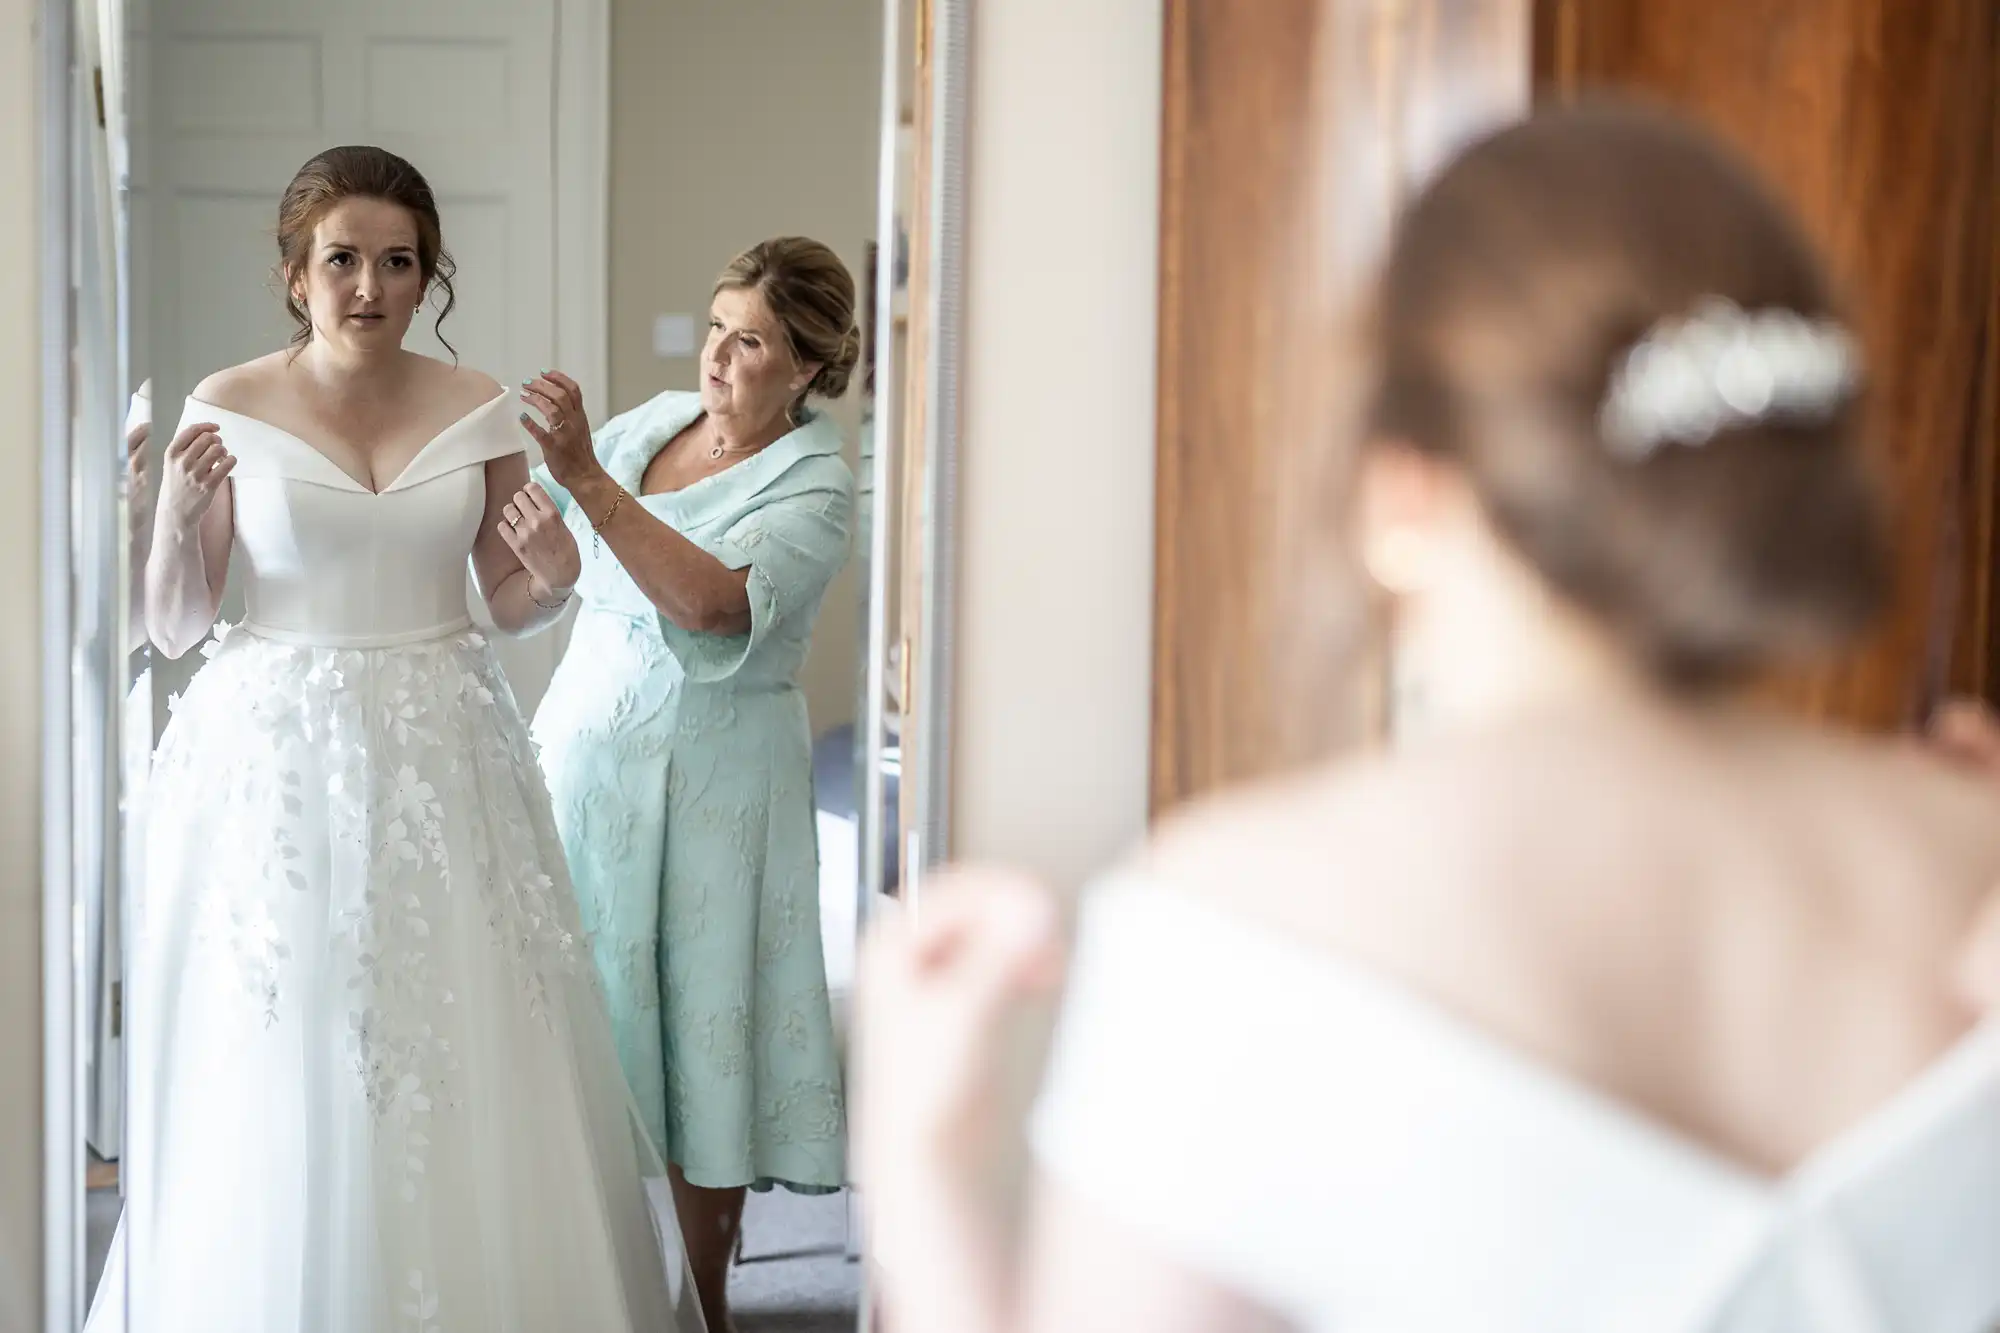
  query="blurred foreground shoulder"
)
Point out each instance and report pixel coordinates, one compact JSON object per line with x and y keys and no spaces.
{"x":1295,"y":850}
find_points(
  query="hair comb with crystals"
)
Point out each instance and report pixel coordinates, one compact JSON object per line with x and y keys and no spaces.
{"x":1719,"y":367}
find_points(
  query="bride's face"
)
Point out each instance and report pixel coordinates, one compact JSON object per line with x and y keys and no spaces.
{"x":362,"y":283}
{"x":749,"y":375}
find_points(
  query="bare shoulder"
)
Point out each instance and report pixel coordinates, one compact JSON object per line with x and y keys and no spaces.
{"x":1298,"y":852}
{"x":246,"y":388}
{"x":1503,"y":837}
{"x":460,"y":387}
{"x":1904,"y":797}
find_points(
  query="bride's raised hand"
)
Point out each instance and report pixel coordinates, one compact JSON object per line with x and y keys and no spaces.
{"x":196,"y":466}
{"x":533,"y":529}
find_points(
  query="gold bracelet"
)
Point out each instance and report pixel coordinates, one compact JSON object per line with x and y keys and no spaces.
{"x":597,"y":528}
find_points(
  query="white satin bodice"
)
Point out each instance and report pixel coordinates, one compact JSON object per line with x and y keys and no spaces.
{"x":323,"y":560}
{"x":1367,"y":1162}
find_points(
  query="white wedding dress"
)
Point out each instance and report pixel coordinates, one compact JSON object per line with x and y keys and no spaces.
{"x":373,"y":1086}
{"x":1312,"y":1134}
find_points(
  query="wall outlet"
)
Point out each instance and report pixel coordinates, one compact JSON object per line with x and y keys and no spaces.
{"x":673,"y":336}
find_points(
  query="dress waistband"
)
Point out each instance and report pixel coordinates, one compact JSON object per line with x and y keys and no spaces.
{"x":404,"y":639}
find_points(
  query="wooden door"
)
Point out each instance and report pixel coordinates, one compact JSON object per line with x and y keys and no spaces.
{"x":1877,"y":119}
{"x":1293,"y":130}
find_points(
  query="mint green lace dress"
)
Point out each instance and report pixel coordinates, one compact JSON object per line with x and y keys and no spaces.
{"x":681,"y":766}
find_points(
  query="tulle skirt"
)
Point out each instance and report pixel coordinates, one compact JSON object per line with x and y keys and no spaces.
{"x":372,"y":1079}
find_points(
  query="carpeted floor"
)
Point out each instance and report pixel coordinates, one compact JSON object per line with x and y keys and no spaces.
{"x":100,"y":1219}
{"x":795,"y":1276}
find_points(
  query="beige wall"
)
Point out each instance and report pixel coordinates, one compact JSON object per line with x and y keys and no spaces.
{"x":20,"y":683}
{"x":732,"y":123}
{"x":1054,"y":650}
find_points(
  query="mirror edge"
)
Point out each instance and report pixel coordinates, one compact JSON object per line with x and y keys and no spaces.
{"x":873,"y":806}
{"x":62,"y":1119}
{"x":948,"y":108}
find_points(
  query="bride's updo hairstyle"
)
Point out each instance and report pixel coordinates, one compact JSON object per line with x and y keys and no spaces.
{"x":1630,"y":349}
{"x":365,"y":173}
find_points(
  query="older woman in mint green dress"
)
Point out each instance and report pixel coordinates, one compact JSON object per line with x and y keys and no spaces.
{"x":675,"y":740}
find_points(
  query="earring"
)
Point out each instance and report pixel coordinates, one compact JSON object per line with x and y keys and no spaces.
{"x":1399,"y":560}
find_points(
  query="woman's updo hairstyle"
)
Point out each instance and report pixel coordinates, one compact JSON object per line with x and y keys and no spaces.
{"x":1631,"y":350}
{"x":811,"y":293}
{"x":365,"y":173}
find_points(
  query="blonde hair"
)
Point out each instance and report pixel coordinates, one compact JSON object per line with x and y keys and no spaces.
{"x":812,"y":294}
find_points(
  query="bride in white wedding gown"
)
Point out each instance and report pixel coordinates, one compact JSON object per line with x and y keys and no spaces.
{"x":372,"y":1080}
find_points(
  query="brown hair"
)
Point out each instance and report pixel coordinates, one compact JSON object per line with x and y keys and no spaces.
{"x":359,"y":172}
{"x":812,"y":294}
{"x":1517,"y":282}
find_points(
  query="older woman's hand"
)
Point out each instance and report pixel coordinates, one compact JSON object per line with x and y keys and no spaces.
{"x":565,"y":440}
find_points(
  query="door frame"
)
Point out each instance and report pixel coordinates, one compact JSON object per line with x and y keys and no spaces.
{"x":582,"y":203}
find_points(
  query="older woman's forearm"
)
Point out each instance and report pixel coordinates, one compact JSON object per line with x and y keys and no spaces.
{"x":688,"y":585}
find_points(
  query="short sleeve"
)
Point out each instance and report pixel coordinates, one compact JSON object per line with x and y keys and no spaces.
{"x":1112,"y":1115}
{"x":792,"y":547}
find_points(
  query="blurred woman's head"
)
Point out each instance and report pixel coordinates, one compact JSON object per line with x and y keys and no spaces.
{"x":1608,"y":368}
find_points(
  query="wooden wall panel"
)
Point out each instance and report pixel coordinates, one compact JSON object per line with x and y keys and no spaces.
{"x":1877,"y":118}
{"x":1975,"y":659}
{"x":1292,"y":130}
{"x":1237,"y":101}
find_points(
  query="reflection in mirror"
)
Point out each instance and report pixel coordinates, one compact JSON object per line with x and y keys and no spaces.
{"x":497,"y":768}
{"x":104,"y":453}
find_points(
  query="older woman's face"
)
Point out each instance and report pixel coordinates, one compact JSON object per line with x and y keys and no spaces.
{"x":748,"y":373}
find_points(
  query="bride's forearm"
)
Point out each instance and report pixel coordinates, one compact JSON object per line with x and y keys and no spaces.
{"x":180,"y":602}
{"x":135,"y":597}
{"x":521,"y":606}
